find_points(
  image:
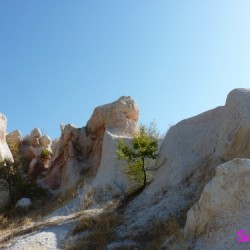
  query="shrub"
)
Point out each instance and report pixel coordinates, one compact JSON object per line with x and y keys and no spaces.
{"x":144,"y":146}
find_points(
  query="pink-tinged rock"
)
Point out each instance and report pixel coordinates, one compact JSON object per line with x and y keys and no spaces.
{"x":79,"y":151}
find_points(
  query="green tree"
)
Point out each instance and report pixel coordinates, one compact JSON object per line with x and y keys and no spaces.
{"x":11,"y":173}
{"x":11,"y":178}
{"x":14,"y":178}
{"x":144,"y":145}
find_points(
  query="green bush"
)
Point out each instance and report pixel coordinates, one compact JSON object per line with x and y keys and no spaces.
{"x":144,"y":145}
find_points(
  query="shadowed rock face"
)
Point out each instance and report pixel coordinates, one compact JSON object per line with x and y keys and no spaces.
{"x":79,"y":150}
{"x":5,"y":153}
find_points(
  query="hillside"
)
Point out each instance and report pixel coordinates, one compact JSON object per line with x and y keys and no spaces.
{"x":196,"y":196}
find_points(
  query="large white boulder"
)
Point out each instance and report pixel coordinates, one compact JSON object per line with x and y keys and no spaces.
{"x":112,"y":172}
{"x":5,"y":153}
{"x":222,"y":210}
{"x":123,"y":114}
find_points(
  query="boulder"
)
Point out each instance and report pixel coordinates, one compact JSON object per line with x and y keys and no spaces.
{"x":122,"y":114}
{"x":23,"y":204}
{"x":216,"y":221}
{"x":5,"y":153}
{"x":15,"y":137}
{"x":83,"y":151}
{"x":35,"y":133}
{"x":45,"y":141}
{"x":112,"y":172}
{"x":32,"y":147}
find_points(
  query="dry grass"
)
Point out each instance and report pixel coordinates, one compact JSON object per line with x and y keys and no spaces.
{"x":89,"y":200}
{"x":156,"y":235}
{"x":100,"y":231}
{"x":11,"y":218}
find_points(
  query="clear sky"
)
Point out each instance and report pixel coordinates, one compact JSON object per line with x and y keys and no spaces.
{"x":60,"y":59}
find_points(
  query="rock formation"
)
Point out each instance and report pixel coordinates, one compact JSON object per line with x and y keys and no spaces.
{"x":213,"y":137}
{"x":5,"y":153}
{"x":188,"y":157}
{"x":201,"y":184}
{"x":222,"y":210}
{"x":83,"y":150}
{"x":15,"y":137}
{"x":35,"y":148}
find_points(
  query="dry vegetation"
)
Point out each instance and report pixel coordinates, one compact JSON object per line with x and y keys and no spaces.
{"x":99,"y":229}
{"x":42,"y":205}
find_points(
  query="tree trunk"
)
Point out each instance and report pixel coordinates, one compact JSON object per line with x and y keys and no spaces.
{"x":144,"y":172}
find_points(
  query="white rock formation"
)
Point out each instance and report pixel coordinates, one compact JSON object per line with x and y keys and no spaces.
{"x":222,"y":210}
{"x":188,"y":156}
{"x":88,"y":149}
{"x":122,"y":114}
{"x":220,"y":135}
{"x":5,"y":153}
{"x":32,"y":148}
{"x":112,"y":172}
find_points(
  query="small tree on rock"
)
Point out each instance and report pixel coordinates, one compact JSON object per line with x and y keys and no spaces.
{"x":144,"y":145}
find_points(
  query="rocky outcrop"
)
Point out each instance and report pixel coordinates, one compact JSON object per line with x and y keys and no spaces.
{"x":188,"y":157}
{"x":14,"y":137}
{"x":37,"y":148}
{"x":80,"y":151}
{"x":5,"y":153}
{"x":213,"y":137}
{"x":219,"y":220}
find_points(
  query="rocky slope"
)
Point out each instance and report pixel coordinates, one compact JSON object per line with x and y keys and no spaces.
{"x":201,"y":182}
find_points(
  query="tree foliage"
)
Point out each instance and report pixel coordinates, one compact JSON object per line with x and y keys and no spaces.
{"x":144,"y":145}
{"x":14,"y":177}
{"x":11,"y":173}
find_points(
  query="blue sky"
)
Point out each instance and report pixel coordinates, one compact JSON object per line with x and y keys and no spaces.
{"x":60,"y":59}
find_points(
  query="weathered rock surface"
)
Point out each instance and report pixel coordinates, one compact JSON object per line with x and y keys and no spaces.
{"x":188,"y":156}
{"x":5,"y":153}
{"x":222,"y":210}
{"x":34,"y":147}
{"x":81,"y":150}
{"x":218,"y":135}
{"x":14,"y":137}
